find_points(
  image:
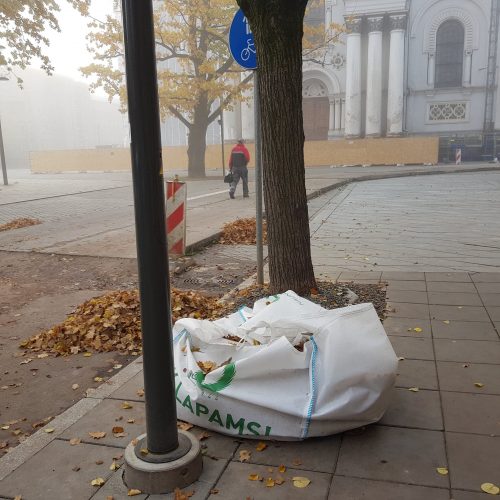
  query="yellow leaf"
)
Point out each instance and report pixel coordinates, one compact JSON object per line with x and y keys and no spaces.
{"x":98,"y":481}
{"x":301,"y":482}
{"x":446,"y":322}
{"x":49,"y":431}
{"x":126,"y":405}
{"x":417,"y":329}
{"x":413,"y":389}
{"x":442,"y":470}
{"x":478,"y":384}
{"x":282,"y":468}
{"x":133,"y":493}
{"x":75,"y":387}
{"x":75,"y":441}
{"x":490,"y":488}
{"x":184,"y":426}
{"x":279,"y":480}
{"x":130,"y":421}
{"x":144,"y":451}
{"x":114,"y":466}
{"x":269,"y":482}
{"x":97,"y":435}
{"x":98,"y":379}
{"x":254,"y":477}
{"x":87,"y":354}
{"x":18,"y":497}
{"x":261,"y":446}
{"x":245,"y":455}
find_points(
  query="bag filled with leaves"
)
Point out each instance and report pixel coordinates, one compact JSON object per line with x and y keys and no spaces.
{"x":286,"y":369}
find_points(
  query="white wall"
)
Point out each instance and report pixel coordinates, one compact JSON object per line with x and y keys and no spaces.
{"x":421,"y":94}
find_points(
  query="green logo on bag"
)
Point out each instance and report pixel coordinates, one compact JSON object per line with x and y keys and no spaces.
{"x":224,"y":381}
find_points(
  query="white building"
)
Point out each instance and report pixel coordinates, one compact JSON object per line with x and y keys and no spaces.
{"x":405,"y":67}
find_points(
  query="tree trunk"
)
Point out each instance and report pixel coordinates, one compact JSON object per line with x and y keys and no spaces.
{"x":278,"y":28}
{"x":197,"y":140}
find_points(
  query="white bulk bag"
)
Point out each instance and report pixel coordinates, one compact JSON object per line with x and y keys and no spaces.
{"x":265,"y":388}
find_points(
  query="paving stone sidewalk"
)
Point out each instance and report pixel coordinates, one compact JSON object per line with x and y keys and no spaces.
{"x":443,"y":326}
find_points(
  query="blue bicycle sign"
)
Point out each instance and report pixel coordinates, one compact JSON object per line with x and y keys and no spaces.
{"x":241,"y":42}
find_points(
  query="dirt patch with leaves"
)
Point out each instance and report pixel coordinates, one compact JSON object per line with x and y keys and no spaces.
{"x":328,"y":295}
{"x":111,"y":322}
{"x":38,"y":291}
{"x":19,"y":223}
{"x":242,"y":232}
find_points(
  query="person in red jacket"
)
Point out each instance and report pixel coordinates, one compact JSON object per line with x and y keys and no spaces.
{"x":238,"y":161}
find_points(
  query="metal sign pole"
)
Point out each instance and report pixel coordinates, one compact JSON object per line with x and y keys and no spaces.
{"x":258,"y":181}
{"x":147,"y":173}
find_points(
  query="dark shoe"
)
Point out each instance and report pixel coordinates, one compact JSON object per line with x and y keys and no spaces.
{"x":231,"y":195}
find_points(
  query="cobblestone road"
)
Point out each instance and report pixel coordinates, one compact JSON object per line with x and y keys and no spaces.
{"x":434,"y":223}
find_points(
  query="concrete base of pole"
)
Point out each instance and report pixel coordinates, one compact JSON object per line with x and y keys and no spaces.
{"x":161,"y":478}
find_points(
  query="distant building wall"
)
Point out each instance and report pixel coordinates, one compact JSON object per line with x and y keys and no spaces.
{"x":385,"y":151}
{"x":55,"y":112}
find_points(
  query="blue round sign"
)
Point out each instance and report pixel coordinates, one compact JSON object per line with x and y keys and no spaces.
{"x":241,"y":42}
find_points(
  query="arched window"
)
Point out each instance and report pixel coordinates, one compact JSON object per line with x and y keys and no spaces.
{"x":449,"y":54}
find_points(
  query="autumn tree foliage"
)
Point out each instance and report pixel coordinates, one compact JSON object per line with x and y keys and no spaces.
{"x":22,"y":25}
{"x":197,"y":76}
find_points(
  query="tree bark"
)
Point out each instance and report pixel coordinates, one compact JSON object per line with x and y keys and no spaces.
{"x":277,"y":26}
{"x":197,"y":139}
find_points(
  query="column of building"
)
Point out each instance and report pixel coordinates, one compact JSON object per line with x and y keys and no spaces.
{"x":247,"y":112}
{"x":374,"y":120}
{"x":373,"y":125}
{"x":335,"y":123}
{"x":395,"y":89}
{"x":353,"y":79}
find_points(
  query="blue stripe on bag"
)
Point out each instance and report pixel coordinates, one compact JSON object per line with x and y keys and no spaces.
{"x":241,"y":314}
{"x":312,"y":401}
{"x":179,"y":335}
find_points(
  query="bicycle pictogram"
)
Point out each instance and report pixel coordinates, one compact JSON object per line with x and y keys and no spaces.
{"x":248,"y":51}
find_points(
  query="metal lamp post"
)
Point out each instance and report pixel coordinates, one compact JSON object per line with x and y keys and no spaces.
{"x":173,"y":458}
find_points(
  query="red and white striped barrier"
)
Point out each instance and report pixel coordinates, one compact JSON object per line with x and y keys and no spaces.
{"x":458,"y":157}
{"x":176,"y":217}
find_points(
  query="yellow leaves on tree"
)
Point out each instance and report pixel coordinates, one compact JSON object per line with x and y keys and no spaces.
{"x":111,"y":322}
{"x":195,"y":67}
{"x":23,"y":31}
{"x":318,"y":37}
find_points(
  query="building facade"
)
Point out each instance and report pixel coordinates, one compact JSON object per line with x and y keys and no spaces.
{"x":404,"y":67}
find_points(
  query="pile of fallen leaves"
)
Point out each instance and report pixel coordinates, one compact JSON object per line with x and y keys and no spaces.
{"x":242,"y":232}
{"x":18,"y":223}
{"x":111,"y":322}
